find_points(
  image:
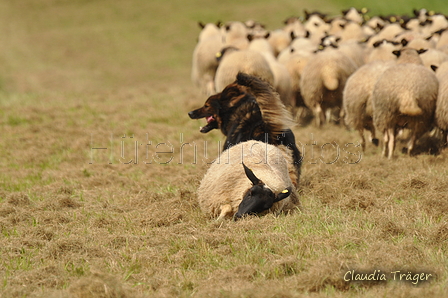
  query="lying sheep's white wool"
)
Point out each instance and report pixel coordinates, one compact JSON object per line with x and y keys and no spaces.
{"x":223,"y":186}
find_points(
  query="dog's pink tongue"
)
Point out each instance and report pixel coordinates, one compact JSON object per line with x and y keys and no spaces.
{"x":210,"y":119}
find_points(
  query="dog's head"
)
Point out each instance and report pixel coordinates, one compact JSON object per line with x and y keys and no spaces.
{"x":218,"y":106}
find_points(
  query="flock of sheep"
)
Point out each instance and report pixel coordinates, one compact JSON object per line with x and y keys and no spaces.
{"x":382,"y":74}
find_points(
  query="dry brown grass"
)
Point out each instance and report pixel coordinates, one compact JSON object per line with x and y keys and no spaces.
{"x":77,"y":222}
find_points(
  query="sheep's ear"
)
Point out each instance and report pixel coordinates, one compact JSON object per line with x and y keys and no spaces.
{"x":421,"y":51}
{"x":251,"y":176}
{"x":306,"y":13}
{"x":201,"y":25}
{"x":396,"y":53}
{"x":434,"y":67}
{"x":377,"y":44}
{"x":283,"y":194}
{"x":292,"y":35}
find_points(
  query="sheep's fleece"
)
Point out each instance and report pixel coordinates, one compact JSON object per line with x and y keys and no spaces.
{"x":223,"y":186}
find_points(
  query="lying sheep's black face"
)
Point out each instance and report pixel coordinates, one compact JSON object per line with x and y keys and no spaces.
{"x":257,"y":199}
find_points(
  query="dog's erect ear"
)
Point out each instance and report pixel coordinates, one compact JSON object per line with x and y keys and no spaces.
{"x":244,"y":79}
{"x":251,"y":176}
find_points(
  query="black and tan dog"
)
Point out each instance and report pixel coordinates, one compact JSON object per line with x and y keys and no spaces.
{"x":249,"y":109}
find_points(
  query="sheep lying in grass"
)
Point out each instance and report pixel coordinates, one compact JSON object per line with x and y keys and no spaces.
{"x":248,"y":178}
{"x":233,"y":61}
{"x":404,"y":97}
{"x":204,"y":62}
{"x":357,"y":94}
{"x":323,"y":80}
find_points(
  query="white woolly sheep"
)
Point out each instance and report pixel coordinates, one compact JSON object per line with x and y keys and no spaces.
{"x":442,"y":41}
{"x":204,"y":62}
{"x":382,"y":51}
{"x":441,"y":114}
{"x":317,"y":27}
{"x":294,"y":27}
{"x":248,"y":178}
{"x":299,"y":44}
{"x":282,"y":79}
{"x":279,"y":40}
{"x":355,"y":15}
{"x":235,"y":35}
{"x":357,"y":103}
{"x":433,"y":57}
{"x":295,"y":65}
{"x":352,"y":31}
{"x":233,"y":61}
{"x":388,"y":32}
{"x":323,"y":80}
{"x":436,"y":22}
{"x":404,"y":97}
{"x":418,"y":43}
{"x":354,"y":50}
{"x":374,"y":24}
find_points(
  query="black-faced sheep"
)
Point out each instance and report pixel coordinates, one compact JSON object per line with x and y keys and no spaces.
{"x":357,"y":104}
{"x":323,"y":80}
{"x":404,"y":97}
{"x":233,"y":61}
{"x":248,"y":178}
{"x":204,"y":63}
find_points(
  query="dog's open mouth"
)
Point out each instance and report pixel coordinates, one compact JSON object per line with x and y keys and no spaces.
{"x":211,"y":124}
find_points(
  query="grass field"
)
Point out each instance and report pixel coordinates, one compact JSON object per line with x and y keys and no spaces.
{"x":100,"y":163}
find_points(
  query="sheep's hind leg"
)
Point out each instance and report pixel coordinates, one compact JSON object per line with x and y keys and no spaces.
{"x":363,"y":139}
{"x":320,"y":115}
{"x":386,"y":143}
{"x":391,"y":145}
